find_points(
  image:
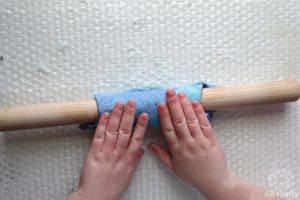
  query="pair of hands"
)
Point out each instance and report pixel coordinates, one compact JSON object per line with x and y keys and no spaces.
{"x":194,"y":154}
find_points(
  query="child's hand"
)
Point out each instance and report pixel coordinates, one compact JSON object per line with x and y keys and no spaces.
{"x":113,"y":156}
{"x":195,"y":154}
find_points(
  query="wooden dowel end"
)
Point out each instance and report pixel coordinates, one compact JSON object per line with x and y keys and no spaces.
{"x":45,"y":115}
{"x":248,"y":95}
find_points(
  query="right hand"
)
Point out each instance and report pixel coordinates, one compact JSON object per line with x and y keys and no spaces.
{"x":194,"y":154}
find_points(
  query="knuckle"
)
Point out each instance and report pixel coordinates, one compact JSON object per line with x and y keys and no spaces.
{"x":124,"y":131}
{"x":179,"y":122}
{"x":168,"y":131}
{"x":190,"y":143}
{"x":121,"y":167}
{"x":111,"y":132}
{"x":204,"y":144}
{"x":99,"y":137}
{"x":176,"y":148}
{"x":118,"y":154}
{"x":107,"y":157}
{"x":97,"y":157}
{"x":138,"y":138}
{"x":171,"y":142}
{"x":204,"y":125}
{"x":192,"y":122}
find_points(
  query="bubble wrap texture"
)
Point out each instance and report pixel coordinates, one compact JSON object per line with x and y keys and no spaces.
{"x":52,"y":51}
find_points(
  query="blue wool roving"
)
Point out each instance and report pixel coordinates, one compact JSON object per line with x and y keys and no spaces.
{"x":147,"y":100}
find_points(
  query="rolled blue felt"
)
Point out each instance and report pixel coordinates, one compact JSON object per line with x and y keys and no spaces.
{"x":147,"y":99}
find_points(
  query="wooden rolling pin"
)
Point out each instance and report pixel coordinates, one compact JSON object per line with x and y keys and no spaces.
{"x":80,"y":112}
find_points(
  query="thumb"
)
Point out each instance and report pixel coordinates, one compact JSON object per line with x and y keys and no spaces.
{"x":162,"y":154}
{"x":137,"y":159}
{"x":138,"y":156}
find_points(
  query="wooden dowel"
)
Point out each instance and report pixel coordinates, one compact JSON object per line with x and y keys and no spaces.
{"x":248,"y":95}
{"x":45,"y":115}
{"x":79,"y":112}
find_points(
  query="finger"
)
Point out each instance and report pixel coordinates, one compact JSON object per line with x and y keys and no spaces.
{"x":205,"y":125}
{"x":126,"y":125}
{"x":162,"y":154}
{"x":167,"y":126}
{"x":191,"y":118}
{"x":138,"y":134}
{"x":111,"y":133}
{"x":100,"y":132}
{"x":177,"y":116}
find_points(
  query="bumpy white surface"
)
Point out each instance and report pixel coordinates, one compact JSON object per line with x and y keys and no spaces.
{"x":66,"y":50}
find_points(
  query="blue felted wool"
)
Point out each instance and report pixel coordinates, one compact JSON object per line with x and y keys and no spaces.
{"x":147,"y":100}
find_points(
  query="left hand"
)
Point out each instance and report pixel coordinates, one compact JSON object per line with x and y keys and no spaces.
{"x":115,"y":153}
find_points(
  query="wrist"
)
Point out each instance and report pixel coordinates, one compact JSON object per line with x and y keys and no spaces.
{"x":230,"y":189}
{"x":83,"y":195}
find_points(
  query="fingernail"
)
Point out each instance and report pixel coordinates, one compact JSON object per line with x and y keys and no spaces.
{"x":119,"y":105}
{"x":105,"y":115}
{"x":170,"y":93}
{"x":144,"y":116}
{"x":131,"y":103}
{"x":161,"y":106}
{"x":181,"y":95}
{"x":195,"y":104}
